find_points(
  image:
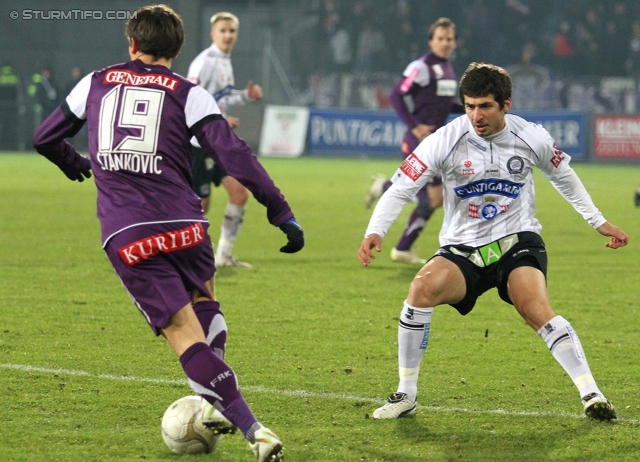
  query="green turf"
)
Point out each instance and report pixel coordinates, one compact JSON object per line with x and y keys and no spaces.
{"x":312,"y":335}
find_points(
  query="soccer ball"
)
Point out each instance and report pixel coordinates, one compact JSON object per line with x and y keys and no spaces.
{"x":182,"y":428}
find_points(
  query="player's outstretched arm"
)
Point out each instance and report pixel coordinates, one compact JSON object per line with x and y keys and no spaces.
{"x":48,"y":141}
{"x":618,"y":237}
{"x":372,"y":241}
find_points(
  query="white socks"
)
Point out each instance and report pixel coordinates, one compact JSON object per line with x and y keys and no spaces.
{"x":413,"y":337}
{"x":565,"y":346}
{"x":229,"y":230}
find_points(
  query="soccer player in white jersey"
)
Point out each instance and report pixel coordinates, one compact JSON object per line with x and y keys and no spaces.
{"x":490,"y":236}
{"x":212,"y":70}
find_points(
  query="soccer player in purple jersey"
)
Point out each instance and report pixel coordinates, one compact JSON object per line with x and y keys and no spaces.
{"x":431,"y":85}
{"x":140,"y":118}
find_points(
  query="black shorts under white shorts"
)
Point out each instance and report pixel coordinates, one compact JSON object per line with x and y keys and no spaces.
{"x":489,"y":266}
{"x":204,"y":171}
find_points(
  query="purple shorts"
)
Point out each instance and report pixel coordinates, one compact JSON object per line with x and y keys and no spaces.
{"x":161,"y":264}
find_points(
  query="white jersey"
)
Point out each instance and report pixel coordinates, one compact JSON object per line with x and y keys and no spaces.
{"x":212,"y":70}
{"x":488,"y":182}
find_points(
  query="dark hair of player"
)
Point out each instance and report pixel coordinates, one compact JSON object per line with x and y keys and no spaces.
{"x":442,"y":22}
{"x":482,"y":79}
{"x":157,"y":30}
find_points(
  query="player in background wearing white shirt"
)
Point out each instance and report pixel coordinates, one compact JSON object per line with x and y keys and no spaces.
{"x":212,"y":70}
{"x":490,"y":236}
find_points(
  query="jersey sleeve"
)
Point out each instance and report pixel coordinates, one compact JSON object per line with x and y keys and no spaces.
{"x":415,"y":77}
{"x":77,"y":99}
{"x":554,"y":163}
{"x":219,"y":141}
{"x":195,"y":73}
{"x":49,"y":138}
{"x":64,"y":122}
{"x":417,"y":169}
{"x":417,"y":72}
{"x":200,"y":105}
{"x":238,"y":97}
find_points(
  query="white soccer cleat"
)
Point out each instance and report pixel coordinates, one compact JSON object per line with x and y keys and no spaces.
{"x":375,"y":191}
{"x":215,"y":421}
{"x":268,"y":447}
{"x":398,"y":405}
{"x":598,"y":407}
{"x":231,"y":262}
{"x":406,"y":256}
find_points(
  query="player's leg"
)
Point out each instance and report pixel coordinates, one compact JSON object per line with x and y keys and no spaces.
{"x":264,"y":442}
{"x":232,"y":220}
{"x":429,"y":198}
{"x":198,"y":336}
{"x":211,"y":377}
{"x":379,"y":184}
{"x":201,"y":168}
{"x":527,"y":290}
{"x":439,"y":282}
{"x":211,"y":318}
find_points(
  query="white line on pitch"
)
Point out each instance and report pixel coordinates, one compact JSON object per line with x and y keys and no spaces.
{"x":300,"y":393}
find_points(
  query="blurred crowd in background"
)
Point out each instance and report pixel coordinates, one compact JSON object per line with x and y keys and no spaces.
{"x":577,"y":37}
{"x":578,"y":54}
{"x":561,"y":54}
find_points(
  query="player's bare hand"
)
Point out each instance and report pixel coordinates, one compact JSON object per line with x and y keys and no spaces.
{"x":618,"y":237}
{"x":254,"y":91}
{"x":372,"y":241}
{"x":233,"y":122}
{"x":421,"y":131}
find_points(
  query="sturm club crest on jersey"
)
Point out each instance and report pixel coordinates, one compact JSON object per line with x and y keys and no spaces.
{"x":488,"y":211}
{"x":515,"y":165}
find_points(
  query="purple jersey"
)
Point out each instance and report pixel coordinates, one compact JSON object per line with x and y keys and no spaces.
{"x":140,"y":119}
{"x":431,"y":83}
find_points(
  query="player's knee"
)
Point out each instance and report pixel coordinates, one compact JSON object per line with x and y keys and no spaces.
{"x":238,"y":194}
{"x":421,"y":291}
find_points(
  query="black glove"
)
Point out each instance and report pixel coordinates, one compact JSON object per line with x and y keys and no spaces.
{"x":78,"y":170}
{"x":295,"y":236}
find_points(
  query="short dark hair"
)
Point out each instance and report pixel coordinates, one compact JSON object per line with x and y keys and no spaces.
{"x":445,"y":23}
{"x":482,"y":79}
{"x":157,"y":30}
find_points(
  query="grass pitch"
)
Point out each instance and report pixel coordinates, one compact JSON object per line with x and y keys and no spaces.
{"x":312,"y":336}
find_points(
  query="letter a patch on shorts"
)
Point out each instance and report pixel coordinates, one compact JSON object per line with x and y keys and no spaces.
{"x":413,"y":167}
{"x":170,"y":241}
{"x":491,"y":253}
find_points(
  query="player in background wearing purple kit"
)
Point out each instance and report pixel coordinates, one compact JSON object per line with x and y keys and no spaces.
{"x":431,"y":85}
{"x":140,"y":117}
{"x":212,"y":70}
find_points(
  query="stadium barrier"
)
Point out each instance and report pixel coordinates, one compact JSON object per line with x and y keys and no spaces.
{"x":378,"y":133}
